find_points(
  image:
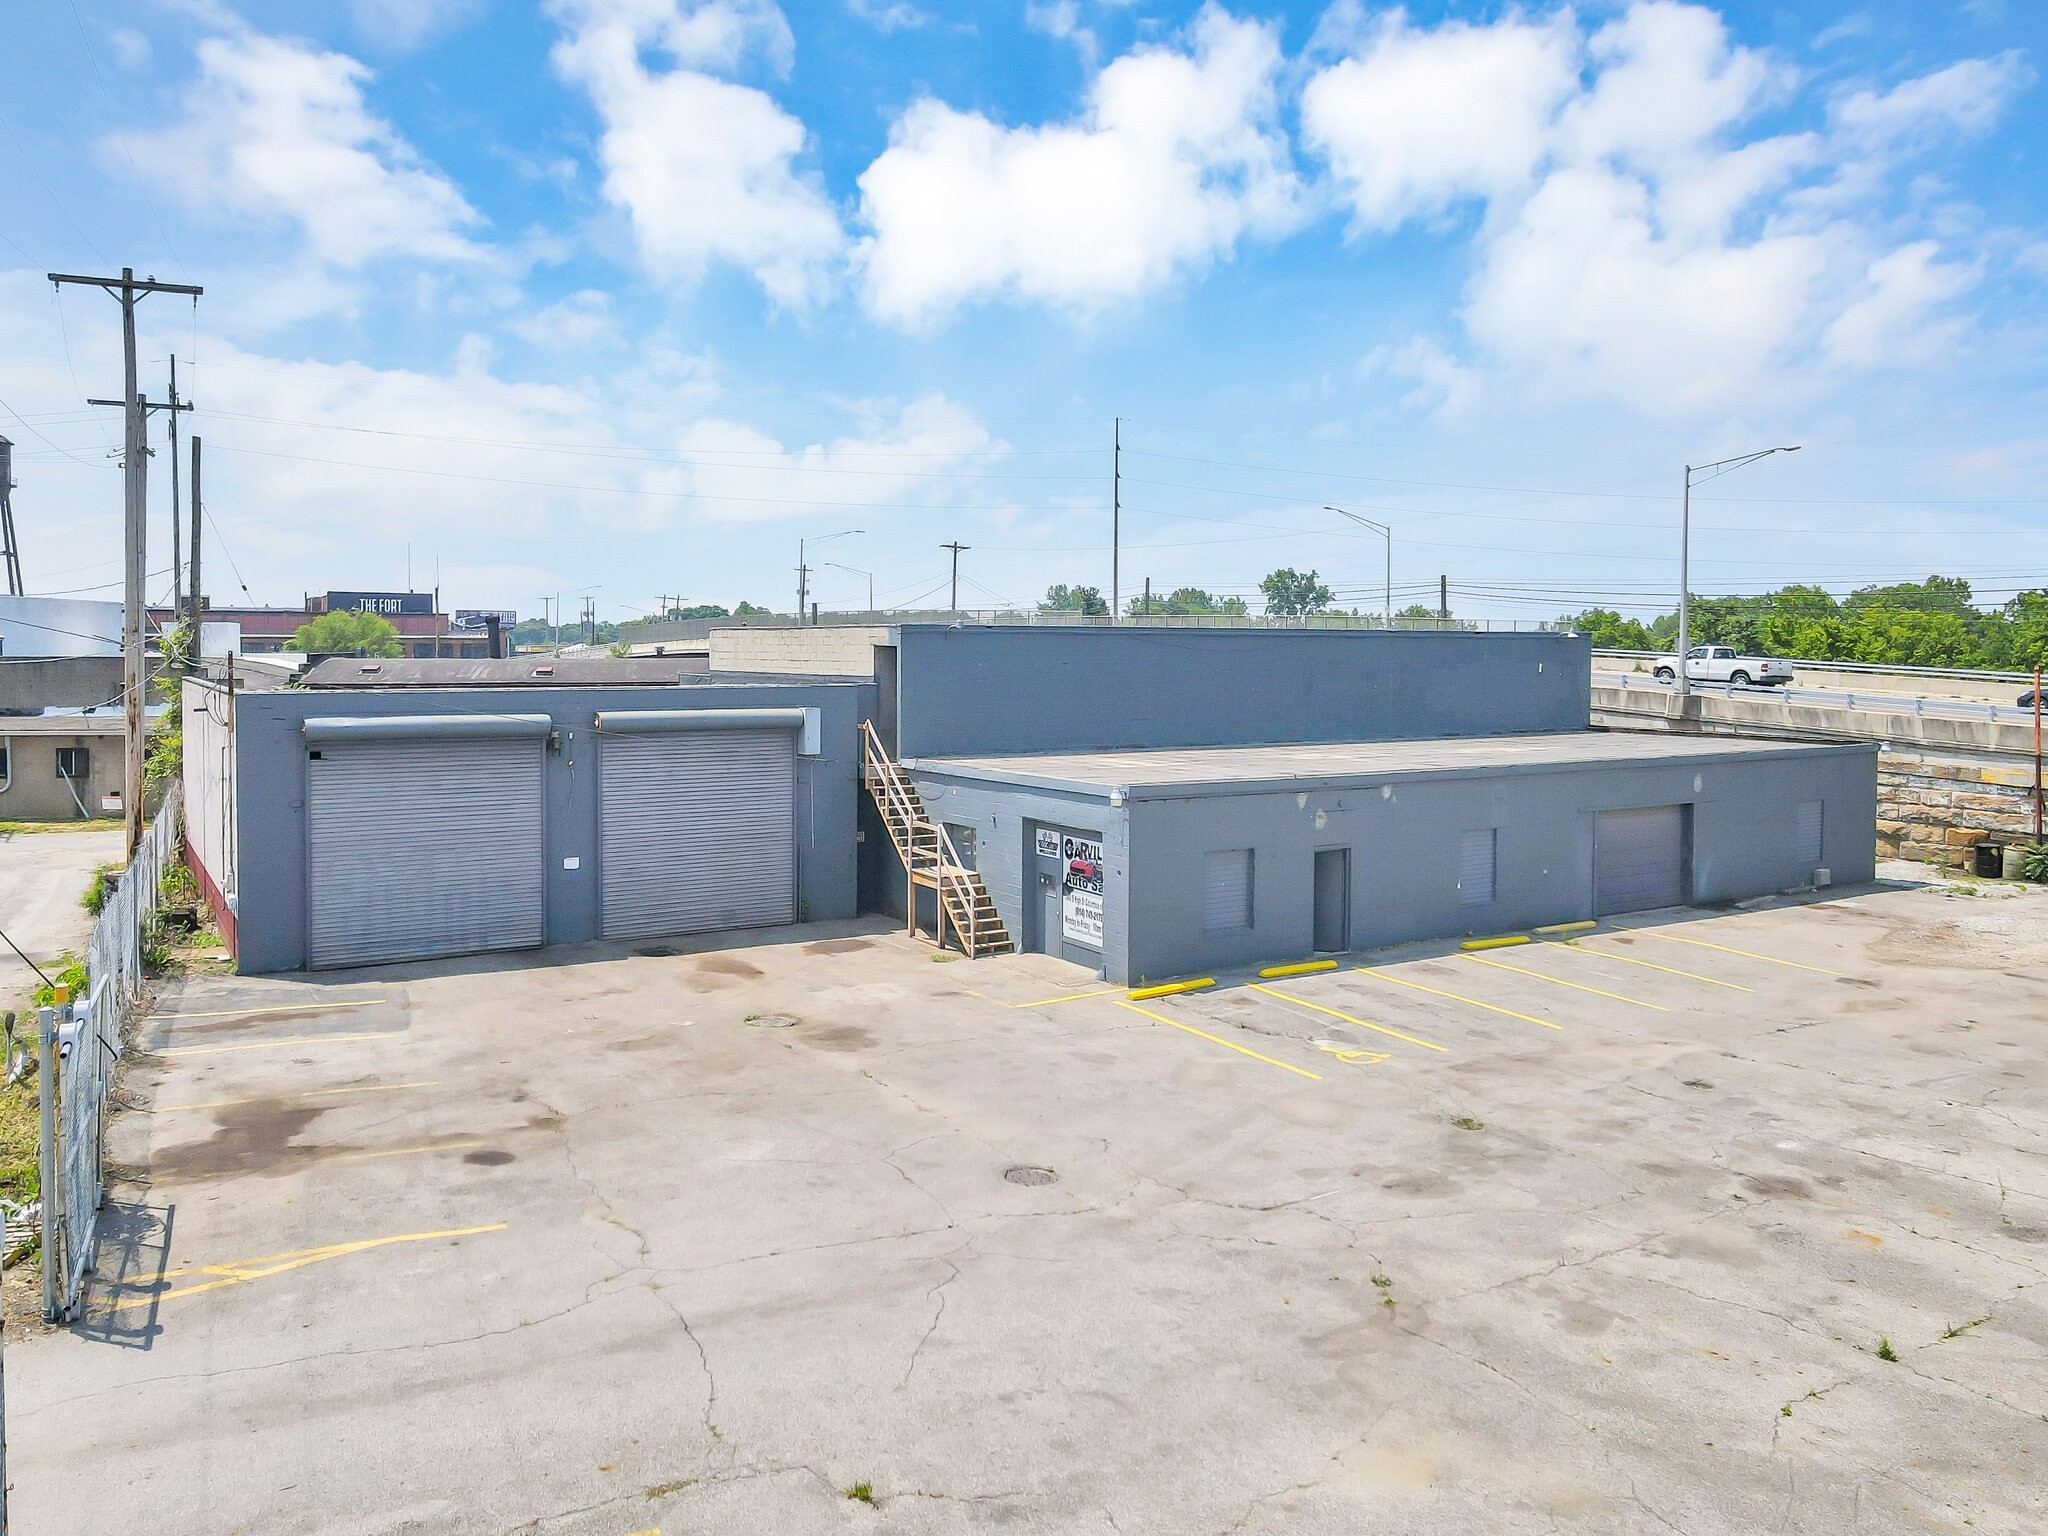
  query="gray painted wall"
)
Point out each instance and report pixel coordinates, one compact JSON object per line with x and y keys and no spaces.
{"x":971,"y":690}
{"x":1403,"y":834}
{"x":270,"y":761}
{"x":1405,"y":847}
{"x":1004,"y":820}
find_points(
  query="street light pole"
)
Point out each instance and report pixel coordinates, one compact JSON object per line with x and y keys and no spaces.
{"x":1705,"y":472}
{"x":803,"y":571}
{"x":1388,"y":533}
{"x":856,"y":570}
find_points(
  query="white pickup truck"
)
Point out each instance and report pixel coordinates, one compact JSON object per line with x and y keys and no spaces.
{"x":1725,"y":664}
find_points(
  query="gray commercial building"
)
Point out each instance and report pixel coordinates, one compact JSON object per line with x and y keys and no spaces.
{"x":1147,"y":802}
{"x":337,"y":827}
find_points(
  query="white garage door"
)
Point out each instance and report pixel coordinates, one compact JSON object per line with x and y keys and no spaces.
{"x":421,"y":846}
{"x":1639,"y":859}
{"x":699,"y":829}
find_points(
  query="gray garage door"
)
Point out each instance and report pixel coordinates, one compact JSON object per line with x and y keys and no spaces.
{"x":699,"y":829}
{"x":422,"y":846}
{"x":1639,"y":859}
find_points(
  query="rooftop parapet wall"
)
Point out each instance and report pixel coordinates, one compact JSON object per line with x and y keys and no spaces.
{"x":981,"y":690}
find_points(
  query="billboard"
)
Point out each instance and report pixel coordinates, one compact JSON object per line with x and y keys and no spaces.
{"x":479,"y":618}
{"x":388,"y":604}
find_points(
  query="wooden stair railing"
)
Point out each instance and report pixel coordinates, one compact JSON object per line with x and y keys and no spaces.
{"x":929,"y":857}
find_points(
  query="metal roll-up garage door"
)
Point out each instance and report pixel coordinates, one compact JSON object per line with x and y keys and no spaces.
{"x":698,"y":824}
{"x":1639,"y":859}
{"x":422,"y":845}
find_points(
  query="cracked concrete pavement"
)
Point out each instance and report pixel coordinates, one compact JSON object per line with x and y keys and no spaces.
{"x":593,"y":1243}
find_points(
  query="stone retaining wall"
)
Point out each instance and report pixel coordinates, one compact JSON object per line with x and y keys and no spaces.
{"x":1937,"y":811}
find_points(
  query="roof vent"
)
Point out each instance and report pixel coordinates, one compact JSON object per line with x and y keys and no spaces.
{"x":543,"y":671}
{"x":375,"y":666}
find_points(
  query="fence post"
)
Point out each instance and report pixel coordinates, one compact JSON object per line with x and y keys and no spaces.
{"x":46,"y":1155}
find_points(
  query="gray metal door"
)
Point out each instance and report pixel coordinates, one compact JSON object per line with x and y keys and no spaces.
{"x":423,"y":847}
{"x":698,"y":831}
{"x":1639,"y":859}
{"x":1333,"y":900}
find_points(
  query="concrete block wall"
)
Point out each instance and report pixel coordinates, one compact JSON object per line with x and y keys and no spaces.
{"x":823,"y":651}
{"x":1936,"y":811}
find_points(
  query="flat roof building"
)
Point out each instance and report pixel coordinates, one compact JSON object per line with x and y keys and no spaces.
{"x":1145,"y":802}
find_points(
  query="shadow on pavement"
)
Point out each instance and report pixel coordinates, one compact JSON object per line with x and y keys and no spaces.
{"x":128,"y":1275}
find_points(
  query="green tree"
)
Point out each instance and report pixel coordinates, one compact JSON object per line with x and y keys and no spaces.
{"x":1086,"y":601}
{"x":746,"y":608}
{"x":347,"y":633}
{"x":1189,"y":600}
{"x":1937,"y":594}
{"x":1292,"y":594}
{"x":1609,"y":631}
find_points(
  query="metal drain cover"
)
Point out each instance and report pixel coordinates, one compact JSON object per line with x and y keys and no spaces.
{"x":1029,"y":1175}
{"x":771,"y":1021}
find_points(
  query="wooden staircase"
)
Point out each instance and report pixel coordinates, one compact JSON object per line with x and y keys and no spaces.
{"x":929,"y":857}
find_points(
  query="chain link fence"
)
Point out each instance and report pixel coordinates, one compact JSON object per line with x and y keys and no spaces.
{"x":79,"y":1046}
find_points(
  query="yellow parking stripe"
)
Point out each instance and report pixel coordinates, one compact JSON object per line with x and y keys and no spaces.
{"x":1558,"y":981}
{"x":1302,"y":1002}
{"x":272,"y":1045}
{"x":242,"y":1271}
{"x":1459,"y":997}
{"x":250,"y":1013}
{"x":1046,"y":1002}
{"x":1229,"y":1045}
{"x":1729,"y":949}
{"x":1650,"y":965}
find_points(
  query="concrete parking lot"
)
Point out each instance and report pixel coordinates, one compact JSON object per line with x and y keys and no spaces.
{"x":42,"y":875}
{"x":1707,"y":1222}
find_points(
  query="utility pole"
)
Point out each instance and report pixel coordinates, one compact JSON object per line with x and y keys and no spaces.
{"x":956,"y":546}
{"x":590,"y":621}
{"x":197,"y":602}
{"x":177,"y":558}
{"x":1148,"y":597}
{"x":1116,"y":516}
{"x":10,"y":551}
{"x":127,"y":288}
{"x":1443,"y":598}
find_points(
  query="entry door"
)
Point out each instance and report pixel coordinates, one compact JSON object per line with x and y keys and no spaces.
{"x":1640,"y":859}
{"x":698,"y":831}
{"x":1067,"y":863}
{"x":417,"y":848}
{"x":1333,"y":900}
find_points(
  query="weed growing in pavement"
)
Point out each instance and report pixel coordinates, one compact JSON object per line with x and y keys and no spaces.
{"x":1697,"y":1082}
{"x":1885,"y":1350}
{"x":1957,"y":1330}
{"x":862,"y":1493}
{"x":1467,"y":1123}
{"x":1383,"y":1280}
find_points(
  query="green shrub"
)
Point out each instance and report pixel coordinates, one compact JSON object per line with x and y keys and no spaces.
{"x":2034,"y":864}
{"x":99,"y":888}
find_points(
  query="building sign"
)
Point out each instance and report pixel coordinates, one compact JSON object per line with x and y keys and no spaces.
{"x":388,"y":604}
{"x":480,"y":618}
{"x":1081,"y":890}
{"x":1048,"y":843}
{"x":1081,"y":918}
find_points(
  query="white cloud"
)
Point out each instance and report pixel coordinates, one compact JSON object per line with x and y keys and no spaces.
{"x":131,"y":48}
{"x":403,"y":24}
{"x":1420,"y":118}
{"x":1967,"y":97}
{"x":1061,"y":19}
{"x":580,"y":321}
{"x":703,"y":167}
{"x":278,"y":132}
{"x":889,"y":15}
{"x":1635,"y":245}
{"x":1176,"y":157}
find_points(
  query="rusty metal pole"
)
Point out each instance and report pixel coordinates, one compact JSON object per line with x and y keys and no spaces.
{"x":2037,"y":754}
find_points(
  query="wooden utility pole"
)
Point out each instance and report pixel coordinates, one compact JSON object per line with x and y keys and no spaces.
{"x":1116,"y":516}
{"x":135,"y":463}
{"x":198,"y":603}
{"x":956,"y":546}
{"x":177,"y":558}
{"x":10,"y":551}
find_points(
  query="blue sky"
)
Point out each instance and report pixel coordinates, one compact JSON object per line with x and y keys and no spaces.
{"x":626,"y":296}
